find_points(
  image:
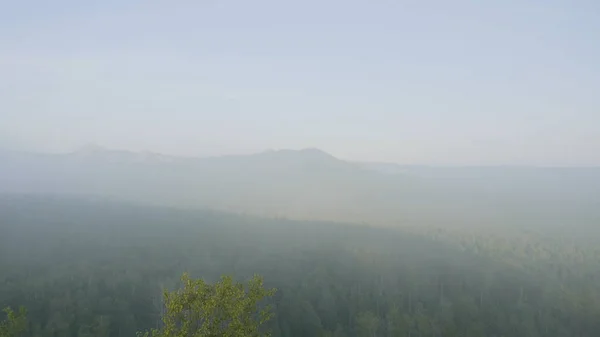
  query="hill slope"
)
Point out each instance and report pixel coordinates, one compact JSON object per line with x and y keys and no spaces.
{"x":310,"y":183}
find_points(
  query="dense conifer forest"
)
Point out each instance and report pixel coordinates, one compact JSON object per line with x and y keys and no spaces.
{"x":99,"y":268}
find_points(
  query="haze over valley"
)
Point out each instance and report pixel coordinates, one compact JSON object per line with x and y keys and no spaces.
{"x":299,"y":168}
{"x":312,"y":184}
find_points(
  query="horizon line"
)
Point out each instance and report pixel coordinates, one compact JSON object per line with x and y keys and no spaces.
{"x":100,"y":148}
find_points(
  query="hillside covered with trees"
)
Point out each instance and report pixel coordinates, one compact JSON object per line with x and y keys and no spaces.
{"x":98,"y":268}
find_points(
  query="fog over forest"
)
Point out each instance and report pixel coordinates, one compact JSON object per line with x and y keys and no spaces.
{"x":90,"y":239}
{"x":299,"y":168}
{"x":311,"y":184}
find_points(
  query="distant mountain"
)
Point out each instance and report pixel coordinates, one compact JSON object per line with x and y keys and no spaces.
{"x":95,"y":152}
{"x":313,"y":184}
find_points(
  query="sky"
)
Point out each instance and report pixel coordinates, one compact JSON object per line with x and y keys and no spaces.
{"x":510,"y":82}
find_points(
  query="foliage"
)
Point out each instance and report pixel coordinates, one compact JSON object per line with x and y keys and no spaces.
{"x":225,"y":309}
{"x":367,"y":324}
{"x":15,"y":324}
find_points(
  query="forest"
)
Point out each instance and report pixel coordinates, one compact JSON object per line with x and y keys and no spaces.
{"x":299,"y":168}
{"x":94,"y":267}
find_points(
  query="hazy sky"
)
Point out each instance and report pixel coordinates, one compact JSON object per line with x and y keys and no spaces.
{"x":450,"y":82}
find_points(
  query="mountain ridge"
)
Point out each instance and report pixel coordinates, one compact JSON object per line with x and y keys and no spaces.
{"x":312,"y":184}
{"x":91,"y":149}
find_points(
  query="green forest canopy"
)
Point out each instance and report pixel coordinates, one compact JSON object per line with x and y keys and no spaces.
{"x":94,"y":268}
{"x":226,"y":309}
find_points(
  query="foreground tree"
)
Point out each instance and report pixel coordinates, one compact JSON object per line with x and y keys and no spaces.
{"x":367,"y":324}
{"x":15,"y":323}
{"x":227,"y":309}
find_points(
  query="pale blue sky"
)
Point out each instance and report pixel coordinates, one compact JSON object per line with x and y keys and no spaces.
{"x":418,"y":82}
